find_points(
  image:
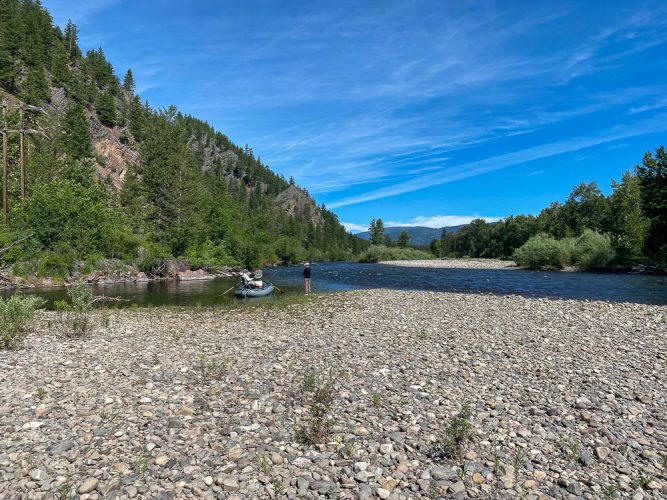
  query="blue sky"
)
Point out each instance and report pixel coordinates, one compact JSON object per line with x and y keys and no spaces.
{"x":418,"y":112}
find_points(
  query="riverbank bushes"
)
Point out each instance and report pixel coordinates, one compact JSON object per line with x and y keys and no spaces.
{"x":632,"y":218}
{"x":589,"y":251}
{"x":15,"y":313}
{"x":377,"y":253}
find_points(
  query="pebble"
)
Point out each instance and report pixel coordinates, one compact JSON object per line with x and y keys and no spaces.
{"x":88,"y":485}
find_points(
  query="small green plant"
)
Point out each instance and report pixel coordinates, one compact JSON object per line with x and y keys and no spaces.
{"x":211,"y":369}
{"x":423,"y":335}
{"x":141,"y":379}
{"x":571,"y":449}
{"x":65,"y":491}
{"x":664,"y":460}
{"x":108,"y":416}
{"x":497,"y":464}
{"x":140,"y":464}
{"x":520,"y":458}
{"x":321,"y":399}
{"x":348,"y":449}
{"x":462,"y":472}
{"x":309,"y":381}
{"x":156,"y":360}
{"x":609,"y":492}
{"x":458,"y":432}
{"x":76,"y":317}
{"x":263,"y":463}
{"x":376,"y":400}
{"x":642,"y":482}
{"x":40,"y":393}
{"x":105,"y":318}
{"x":15,"y":313}
{"x":278,"y":487}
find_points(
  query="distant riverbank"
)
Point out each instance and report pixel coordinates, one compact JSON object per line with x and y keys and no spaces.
{"x":454,"y":263}
{"x":559,"y":398}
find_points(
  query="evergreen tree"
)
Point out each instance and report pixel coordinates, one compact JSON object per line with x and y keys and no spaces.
{"x":168,"y":181}
{"x":36,"y":89}
{"x":138,"y":117}
{"x":77,"y":141}
{"x":403,"y":239}
{"x":59,"y":67}
{"x":128,"y":82}
{"x":106,"y":109}
{"x":72,"y":41}
{"x":377,"y":232}
{"x":10,"y":43}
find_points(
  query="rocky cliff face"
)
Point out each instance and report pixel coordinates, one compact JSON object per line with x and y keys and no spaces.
{"x":298,"y":203}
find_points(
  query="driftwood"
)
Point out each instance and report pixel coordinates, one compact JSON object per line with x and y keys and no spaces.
{"x":103,"y":299}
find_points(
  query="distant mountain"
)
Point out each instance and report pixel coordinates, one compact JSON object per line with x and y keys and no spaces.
{"x":419,"y":235}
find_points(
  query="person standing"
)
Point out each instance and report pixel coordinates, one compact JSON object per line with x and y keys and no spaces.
{"x":307,"y":272}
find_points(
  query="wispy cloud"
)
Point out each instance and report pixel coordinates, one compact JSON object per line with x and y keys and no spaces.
{"x":489,"y":164}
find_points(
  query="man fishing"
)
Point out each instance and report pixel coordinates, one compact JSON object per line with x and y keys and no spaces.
{"x":307,"y":272}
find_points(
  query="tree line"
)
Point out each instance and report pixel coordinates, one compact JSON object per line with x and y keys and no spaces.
{"x":632,"y":221}
{"x":192,"y":194}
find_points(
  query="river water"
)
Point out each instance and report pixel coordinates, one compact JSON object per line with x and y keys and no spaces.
{"x":342,"y":276}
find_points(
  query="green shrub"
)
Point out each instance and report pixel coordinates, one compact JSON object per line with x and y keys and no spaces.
{"x":592,"y":250}
{"x":15,"y":312}
{"x":210,"y":256}
{"x":152,"y":256}
{"x":544,"y":251}
{"x":377,"y":253}
{"x":76,"y":317}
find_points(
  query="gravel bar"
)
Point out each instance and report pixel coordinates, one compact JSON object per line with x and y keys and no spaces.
{"x":568,"y":399}
{"x":455,"y":263}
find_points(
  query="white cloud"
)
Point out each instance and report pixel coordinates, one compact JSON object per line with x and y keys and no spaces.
{"x":354,"y":228}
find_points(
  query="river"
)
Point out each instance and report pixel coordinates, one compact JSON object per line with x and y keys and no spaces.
{"x":342,"y":276}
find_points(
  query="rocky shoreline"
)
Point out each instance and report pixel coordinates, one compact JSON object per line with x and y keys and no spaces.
{"x":567,"y":399}
{"x":455,"y":263}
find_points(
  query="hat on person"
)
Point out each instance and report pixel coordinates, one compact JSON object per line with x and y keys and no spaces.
{"x":307,"y":264}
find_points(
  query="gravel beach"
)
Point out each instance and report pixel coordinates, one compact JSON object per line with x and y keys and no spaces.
{"x":567,"y":399}
{"x":455,"y":263}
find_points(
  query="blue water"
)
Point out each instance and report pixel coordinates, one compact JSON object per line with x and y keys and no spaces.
{"x":342,"y":276}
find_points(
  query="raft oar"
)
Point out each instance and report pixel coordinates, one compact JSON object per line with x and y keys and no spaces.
{"x":274,"y":286}
{"x":232,"y":288}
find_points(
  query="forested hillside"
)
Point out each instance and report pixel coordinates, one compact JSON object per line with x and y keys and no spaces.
{"x":626,"y":228}
{"x":118,"y":183}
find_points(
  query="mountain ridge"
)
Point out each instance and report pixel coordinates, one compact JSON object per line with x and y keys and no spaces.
{"x":419,"y":235}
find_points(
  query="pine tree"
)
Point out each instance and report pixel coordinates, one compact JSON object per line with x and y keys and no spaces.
{"x":59,"y":67}
{"x":137,"y":119}
{"x":10,"y":43}
{"x":403,"y":239}
{"x":72,"y":41}
{"x":128,"y":82}
{"x":77,"y":140}
{"x":106,"y":109}
{"x":35,"y":89}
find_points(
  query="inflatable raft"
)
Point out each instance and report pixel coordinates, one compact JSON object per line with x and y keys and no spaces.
{"x":246,"y":293}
